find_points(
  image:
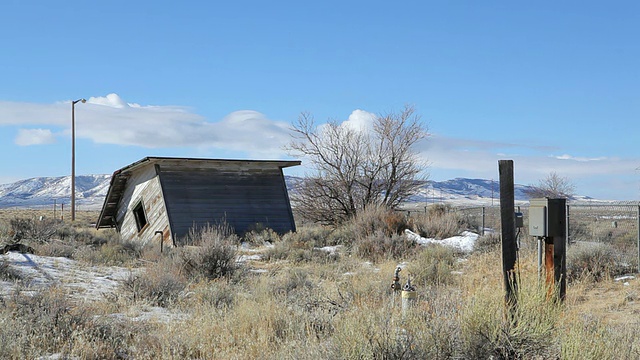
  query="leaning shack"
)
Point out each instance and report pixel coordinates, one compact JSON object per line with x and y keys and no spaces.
{"x":162,"y":196}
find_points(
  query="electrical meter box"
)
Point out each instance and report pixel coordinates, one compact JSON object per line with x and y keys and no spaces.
{"x":547,"y":217}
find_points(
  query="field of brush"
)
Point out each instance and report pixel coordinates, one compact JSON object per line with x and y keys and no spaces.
{"x":320,"y":293}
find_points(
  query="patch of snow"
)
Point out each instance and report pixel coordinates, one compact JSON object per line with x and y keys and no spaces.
{"x":465,"y":242}
{"x":150,"y":313}
{"x":245,"y":258}
{"x":625,"y":277}
{"x":329,"y":249}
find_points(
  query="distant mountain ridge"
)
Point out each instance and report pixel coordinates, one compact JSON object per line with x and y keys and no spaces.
{"x":91,"y":190}
{"x":45,"y":191}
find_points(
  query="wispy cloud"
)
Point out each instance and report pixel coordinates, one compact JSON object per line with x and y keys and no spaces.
{"x":28,"y":137}
{"x":578,"y":158}
{"x":532,"y":162}
{"x":112,"y":120}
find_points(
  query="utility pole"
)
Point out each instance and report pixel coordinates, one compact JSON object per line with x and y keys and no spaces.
{"x":508,"y":222}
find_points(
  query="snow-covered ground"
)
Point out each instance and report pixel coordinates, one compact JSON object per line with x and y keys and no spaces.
{"x":84,"y":281}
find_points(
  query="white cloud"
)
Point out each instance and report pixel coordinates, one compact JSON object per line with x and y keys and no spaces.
{"x":360,"y":120}
{"x":474,"y":158}
{"x":28,"y":137}
{"x":578,"y":158}
{"x":112,"y":100}
{"x":112,"y":120}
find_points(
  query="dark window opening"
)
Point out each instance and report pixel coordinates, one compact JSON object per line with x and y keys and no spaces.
{"x":141,"y":218}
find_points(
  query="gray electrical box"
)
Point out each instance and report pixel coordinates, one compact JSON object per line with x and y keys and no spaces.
{"x":547,"y":217}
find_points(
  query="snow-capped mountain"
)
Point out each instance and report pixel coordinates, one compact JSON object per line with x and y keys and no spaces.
{"x":91,"y":190}
{"x":45,"y":191}
{"x":462,"y":191}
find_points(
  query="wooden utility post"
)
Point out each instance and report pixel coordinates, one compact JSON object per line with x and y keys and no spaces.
{"x":509,"y":246}
{"x":548,"y":222}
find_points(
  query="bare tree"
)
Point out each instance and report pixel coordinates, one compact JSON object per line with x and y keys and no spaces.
{"x":553,"y":186}
{"x":354,"y":168}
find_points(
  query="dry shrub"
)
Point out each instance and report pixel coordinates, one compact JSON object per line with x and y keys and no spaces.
{"x":37,"y":324}
{"x":433,"y":266}
{"x":319,"y":236}
{"x":439,"y":222}
{"x":375,"y":219}
{"x":7,"y":273}
{"x":528,"y":331}
{"x":590,"y":338}
{"x":160,"y":284}
{"x":111,"y":253}
{"x":219,"y":294}
{"x":212,"y":253}
{"x":379,"y":246}
{"x":56,"y":248}
{"x":32,"y":229}
{"x":106,"y":337}
{"x":261,"y":236}
{"x":297,"y":248}
{"x":596,"y":261}
{"x":488,"y":243}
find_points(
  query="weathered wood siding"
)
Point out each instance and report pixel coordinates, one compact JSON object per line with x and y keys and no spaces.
{"x":143,"y":185}
{"x":243,"y":195}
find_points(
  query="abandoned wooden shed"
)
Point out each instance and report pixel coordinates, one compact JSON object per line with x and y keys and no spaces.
{"x":164,"y":196}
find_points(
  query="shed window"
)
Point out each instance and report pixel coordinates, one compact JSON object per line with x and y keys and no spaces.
{"x":141,"y":218}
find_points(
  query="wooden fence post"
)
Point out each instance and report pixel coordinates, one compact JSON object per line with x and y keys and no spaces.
{"x":509,"y":246}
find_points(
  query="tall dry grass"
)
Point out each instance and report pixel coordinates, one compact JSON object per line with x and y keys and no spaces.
{"x":318,"y":309}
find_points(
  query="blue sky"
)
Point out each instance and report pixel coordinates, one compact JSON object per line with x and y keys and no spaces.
{"x":555,"y":86}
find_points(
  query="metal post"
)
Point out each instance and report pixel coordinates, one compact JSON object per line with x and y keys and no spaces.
{"x":566,"y":230}
{"x":638,"y":233}
{"x":483,"y":223}
{"x":540,"y":247}
{"x":161,"y":238}
{"x":73,"y":160}
{"x":73,"y":157}
{"x":409,"y":296}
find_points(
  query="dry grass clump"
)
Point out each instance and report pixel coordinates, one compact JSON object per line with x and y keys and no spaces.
{"x":375,"y":219}
{"x":159,"y":285}
{"x":591,"y":338}
{"x":32,"y":229}
{"x":298,"y":248}
{"x":378,"y":246}
{"x":320,"y":236}
{"x":110,"y":253}
{"x":596,"y":261}
{"x":438,"y":222}
{"x":489,"y":242}
{"x":260,"y":236}
{"x":433,"y":266}
{"x":36,"y":324}
{"x":7,"y":273}
{"x":211,"y":256}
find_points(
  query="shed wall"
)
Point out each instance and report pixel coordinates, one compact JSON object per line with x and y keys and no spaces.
{"x":143,"y":185}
